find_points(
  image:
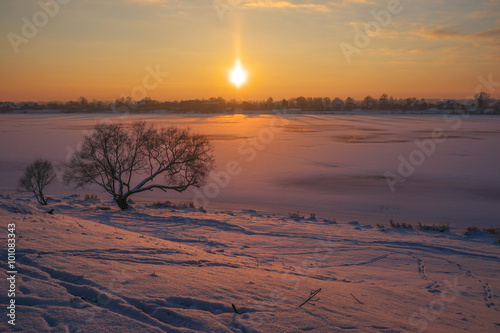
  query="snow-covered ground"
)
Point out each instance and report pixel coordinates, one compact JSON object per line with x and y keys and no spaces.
{"x":92,"y":268}
{"x":331,"y":165}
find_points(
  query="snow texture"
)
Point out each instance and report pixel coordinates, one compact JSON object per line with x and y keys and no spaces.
{"x":173,"y":269}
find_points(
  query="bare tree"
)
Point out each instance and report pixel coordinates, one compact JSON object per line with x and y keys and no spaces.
{"x":350,"y":104}
{"x":483,"y":100}
{"x":301,"y":102}
{"x":383,"y":102}
{"x":369,"y":103}
{"x":113,"y":156}
{"x":37,"y":176}
{"x":270,"y":103}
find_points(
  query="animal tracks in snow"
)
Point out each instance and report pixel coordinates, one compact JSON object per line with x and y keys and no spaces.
{"x":488,"y":294}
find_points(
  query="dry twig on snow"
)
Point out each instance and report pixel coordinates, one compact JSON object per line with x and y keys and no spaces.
{"x":311,"y":296}
{"x":356,"y":299}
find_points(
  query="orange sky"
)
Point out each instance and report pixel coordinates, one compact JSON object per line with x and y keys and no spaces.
{"x":102,"y":49}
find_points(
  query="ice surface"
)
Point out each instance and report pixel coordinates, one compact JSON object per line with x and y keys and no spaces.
{"x":331,"y":165}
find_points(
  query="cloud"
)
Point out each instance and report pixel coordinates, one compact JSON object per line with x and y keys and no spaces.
{"x":440,"y":33}
{"x":444,"y":50}
{"x":164,"y":3}
{"x":385,"y":33}
{"x":399,"y":52}
{"x":443,"y":33}
{"x":480,"y":14}
{"x":286,"y":4}
{"x":320,"y":6}
{"x":493,"y":34}
{"x":343,"y":3}
{"x":149,"y":1}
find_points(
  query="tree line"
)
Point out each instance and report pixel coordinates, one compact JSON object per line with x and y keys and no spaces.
{"x":481,"y":101}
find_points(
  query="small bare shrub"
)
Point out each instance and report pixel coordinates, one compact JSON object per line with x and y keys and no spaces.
{"x":160,"y":204}
{"x":37,"y":176}
{"x":400,"y":225}
{"x":189,"y":204}
{"x":434,"y":227}
{"x":492,"y":231}
{"x":296,"y":216}
{"x":471,"y":230}
{"x":91,"y":197}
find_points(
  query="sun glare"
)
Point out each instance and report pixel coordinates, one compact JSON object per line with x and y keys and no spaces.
{"x":238,"y":75}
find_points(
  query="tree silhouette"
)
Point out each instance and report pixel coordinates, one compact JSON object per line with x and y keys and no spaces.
{"x":383,"y":102}
{"x":302,"y":103}
{"x":337,"y":104}
{"x":270,"y":103}
{"x":369,"y":103}
{"x":284,"y":104}
{"x":114,"y":156}
{"x":483,"y":101}
{"x":350,"y":104}
{"x":37,"y":176}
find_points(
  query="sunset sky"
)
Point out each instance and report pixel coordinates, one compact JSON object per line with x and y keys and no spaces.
{"x":105,"y":49}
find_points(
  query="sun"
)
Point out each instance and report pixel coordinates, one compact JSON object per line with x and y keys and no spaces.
{"x":238,"y":75}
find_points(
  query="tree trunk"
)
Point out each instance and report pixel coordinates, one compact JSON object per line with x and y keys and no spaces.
{"x":42,"y":198}
{"x":122,"y":203}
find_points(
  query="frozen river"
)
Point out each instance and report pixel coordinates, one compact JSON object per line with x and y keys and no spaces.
{"x":369,"y":168}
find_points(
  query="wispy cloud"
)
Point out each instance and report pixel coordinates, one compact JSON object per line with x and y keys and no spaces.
{"x":148,"y":1}
{"x":399,"y":52}
{"x":439,"y":50}
{"x":343,"y":3}
{"x":287,"y":4}
{"x":480,"y":14}
{"x":443,"y":33}
{"x":153,"y":2}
